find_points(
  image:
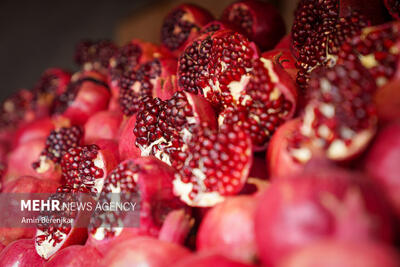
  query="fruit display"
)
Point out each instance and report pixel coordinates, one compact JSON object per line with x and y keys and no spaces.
{"x":237,"y":143}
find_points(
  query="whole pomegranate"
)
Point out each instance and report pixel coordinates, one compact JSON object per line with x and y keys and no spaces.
{"x":20,"y":253}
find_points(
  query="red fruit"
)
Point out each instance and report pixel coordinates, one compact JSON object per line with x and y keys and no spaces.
{"x":94,"y":55}
{"x":319,"y":29}
{"x":21,"y":158}
{"x":382,"y":163}
{"x":265,"y":102}
{"x":340,"y":120}
{"x":84,"y":168}
{"x":229,"y":229}
{"x":377,"y":48}
{"x":210,"y":259}
{"x":15,"y":109}
{"x":103,"y":125}
{"x":83,"y":98}
{"x":65,"y":227}
{"x":36,"y":129}
{"x":283,"y":58}
{"x":387,"y":101}
{"x":215,"y":164}
{"x":30,"y":187}
{"x":285,"y":42}
{"x":144,"y":251}
{"x":319,"y":203}
{"x":52,"y":83}
{"x":149,"y":178}
{"x":182,"y":25}
{"x":281,"y":159}
{"x":163,"y":127}
{"x":75,"y":256}
{"x":176,"y":227}
{"x":259,"y":21}
{"x":127,"y":140}
{"x":344,"y":254}
{"x":166,"y":87}
{"x":217,"y":65}
{"x":393,"y":7}
{"x":137,"y":84}
{"x":20,"y":253}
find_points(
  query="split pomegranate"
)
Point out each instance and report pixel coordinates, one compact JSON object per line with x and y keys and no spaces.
{"x":182,"y":25}
{"x":319,"y":29}
{"x":382,"y":163}
{"x":320,"y":202}
{"x":94,"y":55}
{"x":259,"y":21}
{"x":84,"y":96}
{"x":344,"y":254}
{"x":144,"y":251}
{"x":127,"y":140}
{"x":84,"y":168}
{"x":164,"y":127}
{"x":283,"y":58}
{"x":149,"y":181}
{"x":229,"y":229}
{"x":20,"y":253}
{"x":215,"y":164}
{"x":214,"y":26}
{"x":75,"y":256}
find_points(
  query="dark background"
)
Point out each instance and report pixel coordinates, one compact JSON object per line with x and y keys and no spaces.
{"x":36,"y":35}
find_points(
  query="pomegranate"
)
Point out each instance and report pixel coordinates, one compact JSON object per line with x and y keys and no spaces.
{"x":84,"y":168}
{"x":283,"y":58}
{"x":102,"y":125}
{"x":164,"y":127}
{"x":382,"y":163}
{"x":149,"y":178}
{"x":215,"y":164}
{"x":217,"y":65}
{"x":181,"y":25}
{"x":57,"y":144}
{"x":209,"y":259}
{"x":52,"y":83}
{"x":20,"y":253}
{"x":127,"y":140}
{"x":137,"y":84}
{"x":345,"y":254}
{"x":176,"y":226}
{"x":65,"y":227}
{"x":387,"y":101}
{"x":75,"y":256}
{"x":377,"y":48}
{"x":340,"y":120}
{"x":229,"y":229}
{"x":36,"y":129}
{"x":87,"y":94}
{"x":144,"y":251}
{"x":259,"y":21}
{"x":15,"y":109}
{"x":320,"y":27}
{"x":29,"y":186}
{"x":285,"y":42}
{"x":319,"y":203}
{"x":214,"y":26}
{"x":94,"y":55}
{"x":393,"y":7}
{"x":166,"y":87}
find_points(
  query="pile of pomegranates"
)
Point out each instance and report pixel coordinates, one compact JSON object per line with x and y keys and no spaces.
{"x":246,"y":146}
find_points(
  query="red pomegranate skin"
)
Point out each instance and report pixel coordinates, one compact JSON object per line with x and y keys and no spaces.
{"x":382,"y":163}
{"x":103,"y":125}
{"x":126,"y":143}
{"x":332,"y":253}
{"x":210,"y":259}
{"x":75,"y":256}
{"x":229,"y":229}
{"x":20,"y":253}
{"x":321,"y":202}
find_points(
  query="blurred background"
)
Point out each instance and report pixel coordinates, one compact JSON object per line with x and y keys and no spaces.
{"x":36,"y":35}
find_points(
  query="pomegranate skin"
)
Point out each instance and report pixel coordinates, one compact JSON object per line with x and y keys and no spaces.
{"x":127,"y":140}
{"x":144,"y":251}
{"x":332,"y":253}
{"x":267,"y":26}
{"x":75,"y":256}
{"x":103,"y":125}
{"x":319,"y":203}
{"x":20,"y":253}
{"x":210,"y":259}
{"x":229,"y":229}
{"x":382,"y":163}
{"x":36,"y":129}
